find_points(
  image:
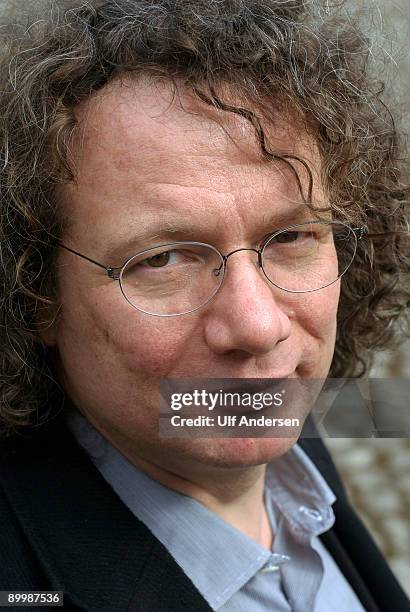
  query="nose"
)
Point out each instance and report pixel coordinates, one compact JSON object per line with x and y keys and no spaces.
{"x":246,"y":314}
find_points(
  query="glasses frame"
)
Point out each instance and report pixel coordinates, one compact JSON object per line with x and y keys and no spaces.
{"x":115,"y":272}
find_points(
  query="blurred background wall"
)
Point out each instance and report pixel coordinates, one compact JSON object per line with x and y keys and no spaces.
{"x":376,"y":474}
{"x":377,"y":471}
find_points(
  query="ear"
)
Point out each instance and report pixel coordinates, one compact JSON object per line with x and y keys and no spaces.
{"x":46,"y":321}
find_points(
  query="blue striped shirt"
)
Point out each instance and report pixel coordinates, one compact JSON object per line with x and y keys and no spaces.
{"x":232,"y":572}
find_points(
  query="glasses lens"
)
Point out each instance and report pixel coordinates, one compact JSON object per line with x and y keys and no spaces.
{"x":172,"y":279}
{"x":309,"y":256}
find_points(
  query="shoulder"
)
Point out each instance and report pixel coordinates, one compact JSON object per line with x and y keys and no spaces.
{"x":19,"y":567}
{"x":66,"y":527}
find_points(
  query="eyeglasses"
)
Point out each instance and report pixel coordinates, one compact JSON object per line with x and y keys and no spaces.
{"x":180,"y":277}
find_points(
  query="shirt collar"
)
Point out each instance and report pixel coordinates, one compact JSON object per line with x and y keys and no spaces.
{"x":300,"y":493}
{"x":217,"y":558}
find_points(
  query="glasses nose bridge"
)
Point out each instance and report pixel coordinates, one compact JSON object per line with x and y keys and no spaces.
{"x":226,"y":257}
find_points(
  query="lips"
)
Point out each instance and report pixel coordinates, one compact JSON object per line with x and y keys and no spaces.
{"x":239,"y":385}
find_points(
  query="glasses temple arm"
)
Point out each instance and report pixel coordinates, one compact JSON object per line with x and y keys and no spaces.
{"x":110,"y":271}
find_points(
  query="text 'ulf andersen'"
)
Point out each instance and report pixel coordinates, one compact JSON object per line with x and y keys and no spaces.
{"x":231,"y":421}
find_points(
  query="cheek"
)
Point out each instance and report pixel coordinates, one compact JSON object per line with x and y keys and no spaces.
{"x":316,"y":320}
{"x":104,"y":334}
{"x":107,"y":359}
{"x":317,"y":310}
{"x":150,"y":347}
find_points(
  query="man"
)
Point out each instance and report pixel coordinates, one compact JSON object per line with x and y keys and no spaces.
{"x":142,"y":143}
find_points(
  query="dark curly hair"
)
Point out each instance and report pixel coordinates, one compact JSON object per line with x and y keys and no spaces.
{"x":278,"y":56}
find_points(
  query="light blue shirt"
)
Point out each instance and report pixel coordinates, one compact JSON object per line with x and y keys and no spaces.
{"x":232,"y":572}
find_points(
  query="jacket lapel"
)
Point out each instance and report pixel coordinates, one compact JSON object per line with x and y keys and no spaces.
{"x":351,"y":545}
{"x":68,"y":514}
{"x":349,"y":571}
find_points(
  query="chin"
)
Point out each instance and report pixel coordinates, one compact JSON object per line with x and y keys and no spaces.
{"x":235,"y":452}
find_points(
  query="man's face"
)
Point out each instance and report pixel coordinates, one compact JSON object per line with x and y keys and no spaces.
{"x":149,"y":172}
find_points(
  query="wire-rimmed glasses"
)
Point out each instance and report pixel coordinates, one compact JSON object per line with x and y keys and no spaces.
{"x":178,"y":278}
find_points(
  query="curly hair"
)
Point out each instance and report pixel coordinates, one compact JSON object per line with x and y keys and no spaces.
{"x":278,"y":56}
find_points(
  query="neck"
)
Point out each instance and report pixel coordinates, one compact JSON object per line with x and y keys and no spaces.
{"x":234,"y":494}
{"x":237,"y":496}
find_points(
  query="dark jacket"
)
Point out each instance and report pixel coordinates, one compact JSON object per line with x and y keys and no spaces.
{"x":63,"y":528}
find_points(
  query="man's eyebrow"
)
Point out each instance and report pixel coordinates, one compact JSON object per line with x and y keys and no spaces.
{"x":297,"y":213}
{"x":143,"y":237}
{"x":160,"y":232}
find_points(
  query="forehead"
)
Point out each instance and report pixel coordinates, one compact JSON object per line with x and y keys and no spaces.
{"x":143,"y":147}
{"x":143,"y":116}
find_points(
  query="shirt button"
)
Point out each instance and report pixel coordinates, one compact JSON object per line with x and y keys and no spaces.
{"x":274,"y":562}
{"x":311,"y":513}
{"x":269,"y":568}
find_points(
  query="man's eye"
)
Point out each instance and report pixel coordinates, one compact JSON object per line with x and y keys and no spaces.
{"x":292,"y":243}
{"x":296,"y":237}
{"x":161,"y":260}
{"x":288,"y":237}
